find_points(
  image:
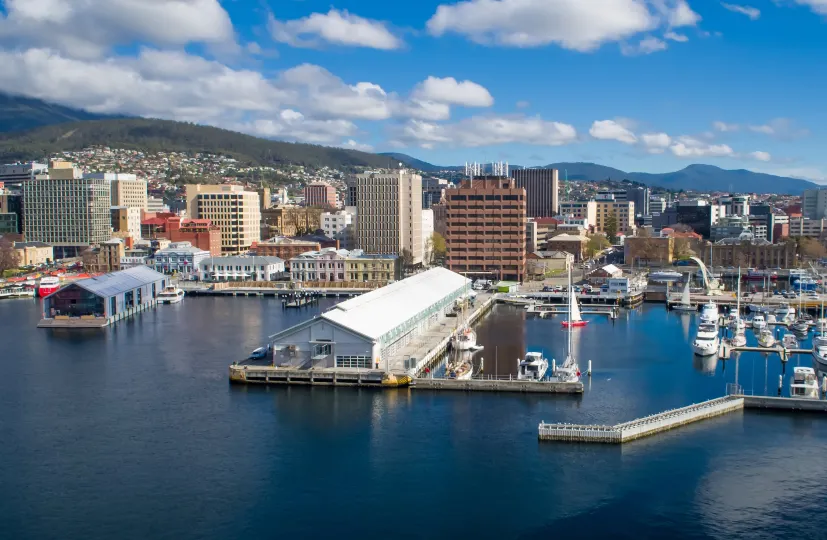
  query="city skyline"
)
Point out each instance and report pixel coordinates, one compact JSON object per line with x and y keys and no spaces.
{"x":645,"y":85}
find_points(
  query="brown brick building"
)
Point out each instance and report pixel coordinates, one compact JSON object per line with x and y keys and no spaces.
{"x":486,"y":229}
{"x":201,"y":233}
{"x":284,"y":248}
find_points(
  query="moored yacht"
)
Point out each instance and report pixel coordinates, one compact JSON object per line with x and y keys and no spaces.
{"x":569,"y":371}
{"x":784,"y":313}
{"x":706,"y":340}
{"x":47,"y":286}
{"x":804,"y":383}
{"x":709,"y":313}
{"x":466,"y":339}
{"x":533,"y":367}
{"x":789,"y":341}
{"x":759,"y":322}
{"x":766,"y":338}
{"x":820,"y":352}
{"x":170,"y":295}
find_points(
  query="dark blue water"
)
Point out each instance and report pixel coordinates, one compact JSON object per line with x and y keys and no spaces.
{"x":134,"y":432}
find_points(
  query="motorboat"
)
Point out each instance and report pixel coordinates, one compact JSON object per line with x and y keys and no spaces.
{"x":47,"y":286}
{"x":706,"y":341}
{"x":685,"y":304}
{"x":771,"y":318}
{"x":170,"y":295}
{"x":574,"y":318}
{"x":665,"y":276}
{"x":801,"y":326}
{"x":735,"y":322}
{"x":21,"y":292}
{"x":569,"y":370}
{"x":533,"y":367}
{"x":766,"y":338}
{"x":789,"y":341}
{"x":758,"y":308}
{"x":785,"y":313}
{"x":759,"y":322}
{"x":260,"y":353}
{"x":738,"y":340}
{"x":804,"y":383}
{"x":709,"y":313}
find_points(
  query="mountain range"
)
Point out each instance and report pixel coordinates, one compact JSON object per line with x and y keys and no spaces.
{"x":696,"y":177}
{"x":33,"y":129}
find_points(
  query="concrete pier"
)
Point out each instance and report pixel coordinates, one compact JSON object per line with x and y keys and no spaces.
{"x":642,"y":427}
{"x":498,"y":385}
{"x":251,"y":374}
{"x":784,"y":403}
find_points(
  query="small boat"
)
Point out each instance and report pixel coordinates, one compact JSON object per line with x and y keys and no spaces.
{"x":465,"y":340}
{"x":170,"y":295}
{"x":665,"y":277}
{"x":706,"y":340}
{"x":47,"y":286}
{"x":801,"y":326}
{"x":758,"y":308}
{"x":804,"y":383}
{"x":685,"y":304}
{"x":21,"y":292}
{"x":574,"y":319}
{"x":820,"y":352}
{"x":766,"y":338}
{"x":735,"y":322}
{"x":785,"y":313}
{"x":533,"y":367}
{"x":709,"y":313}
{"x":260,"y":353}
{"x":789,"y":341}
{"x":738,"y":340}
{"x":461,"y":371}
{"x":759,"y":322}
{"x":569,"y":371}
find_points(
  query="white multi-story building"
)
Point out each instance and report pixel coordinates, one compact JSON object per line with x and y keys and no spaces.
{"x":427,"y":233}
{"x":235,"y":210}
{"x":389,"y":206}
{"x":325,"y":265}
{"x":241,"y":268}
{"x":66,"y":210}
{"x":339,"y":225}
{"x":156,"y":205}
{"x":804,"y":226}
{"x":180,"y":258}
{"x":17,"y":173}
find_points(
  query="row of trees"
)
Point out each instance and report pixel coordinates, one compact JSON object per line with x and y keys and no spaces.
{"x":9,"y":258}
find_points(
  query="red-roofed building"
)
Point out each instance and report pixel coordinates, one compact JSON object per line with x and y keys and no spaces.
{"x":201,"y":233}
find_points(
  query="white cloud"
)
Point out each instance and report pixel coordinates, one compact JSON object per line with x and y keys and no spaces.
{"x":89,"y":28}
{"x":334,"y":27}
{"x":781,"y":128}
{"x":487,"y":131}
{"x":424,"y":110}
{"x":689,"y":147}
{"x":723,"y":127}
{"x":522,"y":104}
{"x":674,"y":36}
{"x":818,"y":6}
{"x":760,"y":156}
{"x":680,"y":14}
{"x":293,"y":126}
{"x":656,"y":143}
{"x":453,"y":92}
{"x":351,"y":144}
{"x":572,"y":24}
{"x":613,"y":131}
{"x":749,"y":11}
{"x":647,"y":45}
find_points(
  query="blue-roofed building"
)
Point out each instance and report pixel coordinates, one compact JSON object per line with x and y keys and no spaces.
{"x":100,"y":301}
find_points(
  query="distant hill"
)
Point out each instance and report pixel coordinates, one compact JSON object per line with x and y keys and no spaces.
{"x":695,"y":177}
{"x":155,"y":135}
{"x":19,"y":113}
{"x":417,"y":164}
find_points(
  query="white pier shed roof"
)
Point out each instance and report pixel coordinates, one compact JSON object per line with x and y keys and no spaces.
{"x":378,"y":312}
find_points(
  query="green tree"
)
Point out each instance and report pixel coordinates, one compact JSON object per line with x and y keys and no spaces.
{"x":439,"y":248}
{"x":9,"y":258}
{"x":810,"y":248}
{"x":407,"y":258}
{"x":596,"y":244}
{"x":611,"y":229}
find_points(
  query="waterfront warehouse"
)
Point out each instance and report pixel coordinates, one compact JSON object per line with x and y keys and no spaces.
{"x":101,"y":300}
{"x":366,"y":331}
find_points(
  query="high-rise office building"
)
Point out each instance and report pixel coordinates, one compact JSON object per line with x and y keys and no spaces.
{"x":814,"y":203}
{"x":126,"y":189}
{"x":320,"y":194}
{"x":542,"y":188}
{"x":11,"y":210}
{"x":17,"y":173}
{"x":236,"y":211}
{"x":67,"y":210}
{"x":486,"y":229}
{"x":389,"y":210}
{"x":640,"y":195}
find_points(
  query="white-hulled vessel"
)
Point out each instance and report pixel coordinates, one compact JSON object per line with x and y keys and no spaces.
{"x":766,"y":338}
{"x":820,"y":352}
{"x":738,"y":340}
{"x":735,"y":322}
{"x":462,"y":370}
{"x":759,"y":322}
{"x":568,"y":371}
{"x":685,"y":304}
{"x":789,"y":341}
{"x":170,"y":295}
{"x":706,"y":341}
{"x":533,"y":367}
{"x":804,"y":383}
{"x":785,"y":313}
{"x":709,"y":313}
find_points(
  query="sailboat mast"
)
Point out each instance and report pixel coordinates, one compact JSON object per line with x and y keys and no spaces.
{"x":738,"y":294}
{"x":571,"y":301}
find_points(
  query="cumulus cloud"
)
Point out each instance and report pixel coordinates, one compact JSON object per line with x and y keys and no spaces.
{"x":749,"y":11}
{"x":723,"y":127}
{"x":760,"y":156}
{"x":610,"y":130}
{"x":89,"y":28}
{"x":689,"y":147}
{"x":647,"y":45}
{"x":293,"y":126}
{"x":334,"y":27}
{"x":655,"y":143}
{"x":354,"y":145}
{"x":487,"y":131}
{"x":818,"y":6}
{"x":572,"y":24}
{"x":781,"y":128}
{"x":452,"y":92}
{"x":674,"y":36}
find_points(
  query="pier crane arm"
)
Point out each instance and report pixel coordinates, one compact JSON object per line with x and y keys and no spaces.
{"x":703,"y":271}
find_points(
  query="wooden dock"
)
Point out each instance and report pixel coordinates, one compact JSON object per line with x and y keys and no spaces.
{"x":266,"y":375}
{"x":498,"y":385}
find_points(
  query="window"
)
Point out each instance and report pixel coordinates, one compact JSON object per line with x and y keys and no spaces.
{"x":353,"y":362}
{"x":322,"y":350}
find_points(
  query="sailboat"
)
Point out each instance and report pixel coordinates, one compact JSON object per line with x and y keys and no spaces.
{"x":685,"y":304}
{"x":736,"y":324}
{"x":466,"y":338}
{"x":569,"y":371}
{"x":575,"y":319}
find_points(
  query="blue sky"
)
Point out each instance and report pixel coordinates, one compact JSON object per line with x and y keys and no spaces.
{"x":641,"y":85}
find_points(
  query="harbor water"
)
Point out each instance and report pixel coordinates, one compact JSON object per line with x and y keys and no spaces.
{"x":134,"y":432}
